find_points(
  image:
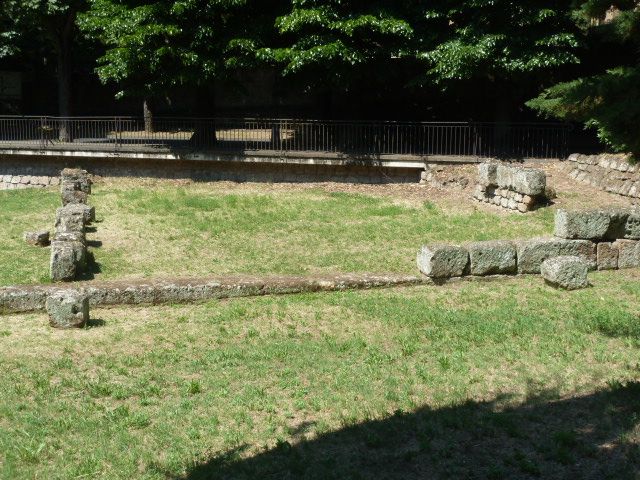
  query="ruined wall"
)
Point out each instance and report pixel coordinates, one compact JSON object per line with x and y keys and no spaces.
{"x":610,"y":172}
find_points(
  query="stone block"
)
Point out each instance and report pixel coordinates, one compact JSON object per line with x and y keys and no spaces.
{"x":632,"y":226}
{"x":73,"y":197}
{"x":529,"y":181}
{"x":607,"y":253}
{"x":443,"y":261}
{"x":74,"y":217}
{"x":70,"y":237}
{"x":38,"y":239}
{"x":567,"y":272}
{"x":532,"y":252}
{"x":487,"y":173}
{"x":64,"y":264}
{"x":504,"y":176}
{"x":584,"y":225}
{"x":68,"y":309}
{"x":492,"y":257}
{"x":628,"y":253}
{"x":78,"y":177}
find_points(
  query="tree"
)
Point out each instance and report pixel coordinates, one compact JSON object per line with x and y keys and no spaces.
{"x":494,"y":38}
{"x":51,"y":22}
{"x":609,"y":99}
{"x":153,"y":47}
{"x":340,"y":44}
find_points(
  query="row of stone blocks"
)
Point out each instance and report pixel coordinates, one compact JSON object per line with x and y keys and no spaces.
{"x":69,"y":244}
{"x":604,"y":240}
{"x":509,"y":186}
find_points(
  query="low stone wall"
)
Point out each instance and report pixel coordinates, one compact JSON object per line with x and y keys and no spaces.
{"x":23,"y":179}
{"x":510,"y":187}
{"x":610,"y":172}
{"x":144,"y":292}
{"x":32,"y":171}
{"x":605,"y":240}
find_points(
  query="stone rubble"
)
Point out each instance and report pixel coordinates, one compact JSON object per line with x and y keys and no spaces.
{"x":511,"y":187}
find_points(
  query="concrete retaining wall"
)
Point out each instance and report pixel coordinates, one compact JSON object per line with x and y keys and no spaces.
{"x":610,"y":172}
{"x":18,"y":171}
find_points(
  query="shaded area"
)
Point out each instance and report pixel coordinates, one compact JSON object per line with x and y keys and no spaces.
{"x":591,"y":437}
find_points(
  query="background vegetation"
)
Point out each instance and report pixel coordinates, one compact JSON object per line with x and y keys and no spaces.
{"x":475,"y":59}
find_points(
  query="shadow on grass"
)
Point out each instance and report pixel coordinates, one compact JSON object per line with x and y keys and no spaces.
{"x":91,"y":269}
{"x":590,"y":437}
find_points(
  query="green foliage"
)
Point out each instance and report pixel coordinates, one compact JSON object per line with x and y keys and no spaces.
{"x":333,"y":41}
{"x":24,"y":22}
{"x":153,"y":46}
{"x":609,"y":101}
{"x":495,"y":38}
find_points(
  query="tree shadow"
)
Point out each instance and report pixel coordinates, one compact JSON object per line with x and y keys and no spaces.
{"x":589,"y":437}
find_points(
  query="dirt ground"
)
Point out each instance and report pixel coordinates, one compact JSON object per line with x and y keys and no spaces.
{"x":451,"y":188}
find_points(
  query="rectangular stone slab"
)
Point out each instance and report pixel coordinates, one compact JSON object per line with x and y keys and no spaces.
{"x":492,"y":257}
{"x":584,"y":225}
{"x":607,"y":256}
{"x":531,"y":253}
{"x":628,"y":253}
{"x":443,"y":261}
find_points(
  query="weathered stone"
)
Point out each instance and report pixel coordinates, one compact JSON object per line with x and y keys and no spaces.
{"x":443,"y":261}
{"x":68,"y":309}
{"x":504,"y":176}
{"x":73,"y":217}
{"x":492,"y":257}
{"x":77,"y":176}
{"x":607,"y":256}
{"x":567,"y":272}
{"x":70,"y":237}
{"x":38,"y":239}
{"x":487,"y":173}
{"x":64,"y":264}
{"x":531,"y":253}
{"x":632,"y":226}
{"x":529,"y":181}
{"x":73,"y":197}
{"x":585,"y":225}
{"x":628,"y":253}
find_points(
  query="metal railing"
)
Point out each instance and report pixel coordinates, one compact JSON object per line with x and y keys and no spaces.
{"x":342,"y":138}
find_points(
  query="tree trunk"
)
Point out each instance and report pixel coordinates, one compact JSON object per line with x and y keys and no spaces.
{"x":64,"y":81}
{"x":147,"y":108}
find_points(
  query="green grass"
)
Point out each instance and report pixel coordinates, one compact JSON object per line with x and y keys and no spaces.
{"x":204,"y":230}
{"x":487,"y":380}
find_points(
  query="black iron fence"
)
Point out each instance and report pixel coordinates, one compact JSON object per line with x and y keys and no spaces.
{"x":344,"y":138}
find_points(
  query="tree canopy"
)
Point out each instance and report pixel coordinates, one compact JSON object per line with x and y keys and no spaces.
{"x":588,"y":48}
{"x":608,"y":100}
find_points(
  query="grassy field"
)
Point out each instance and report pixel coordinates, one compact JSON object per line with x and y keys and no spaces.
{"x":487,"y":380}
{"x":201,"y":229}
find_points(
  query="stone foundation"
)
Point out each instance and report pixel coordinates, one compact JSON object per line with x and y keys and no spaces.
{"x":610,"y":172}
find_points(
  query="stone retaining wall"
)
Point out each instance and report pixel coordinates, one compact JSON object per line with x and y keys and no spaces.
{"x":10,"y":181}
{"x":610,"y":172}
{"x":32,"y":171}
